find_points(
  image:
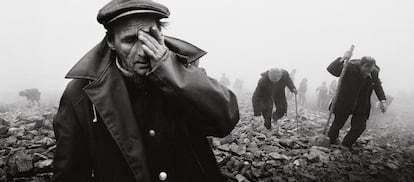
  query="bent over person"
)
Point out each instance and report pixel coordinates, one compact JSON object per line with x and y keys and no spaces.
{"x":354,"y":97}
{"x":138,"y":109}
{"x":271,"y":90}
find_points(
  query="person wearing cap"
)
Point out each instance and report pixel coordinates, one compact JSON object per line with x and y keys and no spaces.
{"x":271,"y":90}
{"x":138,"y":109}
{"x":354,"y":97}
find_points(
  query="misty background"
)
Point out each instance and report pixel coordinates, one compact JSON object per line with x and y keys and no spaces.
{"x":41,"y":40}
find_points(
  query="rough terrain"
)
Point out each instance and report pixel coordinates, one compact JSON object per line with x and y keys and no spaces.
{"x":385,"y":152}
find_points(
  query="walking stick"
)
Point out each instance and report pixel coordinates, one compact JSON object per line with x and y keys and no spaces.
{"x":297,"y":115}
{"x":341,"y":76}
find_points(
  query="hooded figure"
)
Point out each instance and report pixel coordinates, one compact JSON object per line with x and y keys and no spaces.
{"x":271,"y":90}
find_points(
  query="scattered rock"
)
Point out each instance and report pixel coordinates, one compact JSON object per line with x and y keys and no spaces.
{"x":241,"y":178}
{"x":26,"y":145}
{"x":317,"y":154}
{"x":249,"y":153}
{"x":3,"y":175}
{"x":287,"y":143}
{"x":3,"y":122}
{"x":309,"y":176}
{"x":37,"y":157}
{"x":43,"y":164}
{"x":392,"y":164}
{"x":24,"y":163}
{"x":3,"y":130}
{"x":278,"y":156}
{"x":354,"y":178}
{"x":320,"y":140}
{"x":11,"y":140}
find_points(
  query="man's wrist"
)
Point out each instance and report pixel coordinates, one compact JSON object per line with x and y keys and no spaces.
{"x":156,"y":64}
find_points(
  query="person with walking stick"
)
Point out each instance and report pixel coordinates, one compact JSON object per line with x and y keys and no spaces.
{"x":357,"y":81}
{"x":271,"y":90}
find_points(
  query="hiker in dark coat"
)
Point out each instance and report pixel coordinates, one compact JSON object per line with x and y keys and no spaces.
{"x":271,"y":90}
{"x":360,"y":79}
{"x":138,"y":109}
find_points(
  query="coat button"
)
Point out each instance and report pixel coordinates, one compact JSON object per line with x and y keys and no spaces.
{"x":151,"y":132}
{"x":163,"y":176}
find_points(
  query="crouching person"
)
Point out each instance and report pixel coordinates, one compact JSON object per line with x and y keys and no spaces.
{"x":271,"y":90}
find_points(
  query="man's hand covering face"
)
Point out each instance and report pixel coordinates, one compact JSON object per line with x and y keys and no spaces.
{"x":152,"y":44}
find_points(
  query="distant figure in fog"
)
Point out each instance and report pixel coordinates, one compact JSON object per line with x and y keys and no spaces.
{"x":32,"y":95}
{"x":271,"y":90}
{"x":331,"y":90}
{"x":303,"y":87}
{"x":238,"y":85}
{"x":354,"y":97}
{"x":224,"y":80}
{"x":322,"y":92}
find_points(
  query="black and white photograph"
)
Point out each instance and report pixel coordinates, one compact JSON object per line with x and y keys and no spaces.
{"x":207,"y":91}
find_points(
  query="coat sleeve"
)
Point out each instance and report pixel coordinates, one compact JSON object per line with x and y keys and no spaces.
{"x":379,"y":91}
{"x":289,"y":82}
{"x":71,"y":162}
{"x":258,"y":96}
{"x":335,"y":67}
{"x":215,"y":106}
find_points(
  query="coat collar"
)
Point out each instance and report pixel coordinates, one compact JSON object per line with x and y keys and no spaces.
{"x":95,"y":62}
{"x":110,"y":97}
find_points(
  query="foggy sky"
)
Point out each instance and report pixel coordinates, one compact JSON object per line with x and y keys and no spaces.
{"x":42,"y":40}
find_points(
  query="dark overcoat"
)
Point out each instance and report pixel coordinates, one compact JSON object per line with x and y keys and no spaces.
{"x":101,"y":138}
{"x":355,"y":92}
{"x":267,"y":93}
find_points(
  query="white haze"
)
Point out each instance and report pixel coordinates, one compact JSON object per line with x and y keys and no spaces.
{"x":41,"y":40}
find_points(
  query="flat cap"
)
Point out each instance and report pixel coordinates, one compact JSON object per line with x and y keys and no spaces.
{"x":116,"y":9}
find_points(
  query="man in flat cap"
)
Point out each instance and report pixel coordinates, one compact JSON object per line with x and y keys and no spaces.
{"x":271,"y":90}
{"x":138,"y":108}
{"x":354,"y":97}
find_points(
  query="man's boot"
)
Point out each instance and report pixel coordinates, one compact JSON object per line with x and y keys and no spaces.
{"x":276,"y":116}
{"x":333,"y":141}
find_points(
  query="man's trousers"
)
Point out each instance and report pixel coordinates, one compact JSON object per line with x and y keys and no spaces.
{"x":358,"y":125}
